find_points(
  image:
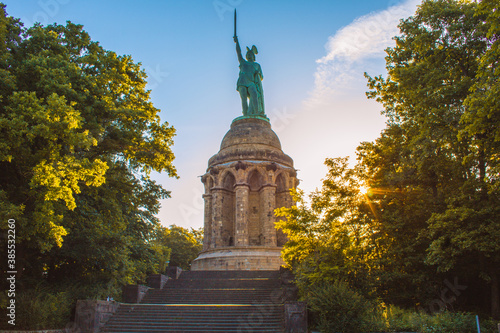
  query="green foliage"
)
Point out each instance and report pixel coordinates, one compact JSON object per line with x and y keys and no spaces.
{"x":185,"y":245}
{"x":449,"y":323}
{"x":436,"y":102}
{"x":482,"y":117}
{"x":399,"y":320}
{"x":339,"y":235}
{"x":111,"y":242}
{"x":79,"y":138}
{"x":41,"y":308}
{"x":431,"y":213}
{"x":71,"y":111}
{"x":337,"y":308}
{"x":326,"y":235}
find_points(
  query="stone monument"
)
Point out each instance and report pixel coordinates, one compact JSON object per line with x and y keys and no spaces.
{"x":245,"y":182}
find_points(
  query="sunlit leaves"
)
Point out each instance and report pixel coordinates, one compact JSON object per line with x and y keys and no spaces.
{"x":440,"y":151}
{"x":331,"y":234}
{"x":61,"y":179}
{"x":433,"y":198}
{"x":185,"y":245}
{"x":79,"y":137}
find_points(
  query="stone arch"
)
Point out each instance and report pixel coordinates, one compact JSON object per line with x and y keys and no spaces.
{"x":281,"y":182}
{"x":255,"y":180}
{"x":208,"y":182}
{"x":255,"y":172}
{"x":227,"y":179}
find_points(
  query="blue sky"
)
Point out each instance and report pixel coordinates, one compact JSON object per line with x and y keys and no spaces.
{"x":313,"y":55}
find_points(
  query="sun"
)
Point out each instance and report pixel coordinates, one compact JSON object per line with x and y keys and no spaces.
{"x":363,"y":189}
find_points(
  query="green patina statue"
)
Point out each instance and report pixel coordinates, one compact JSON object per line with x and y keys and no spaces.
{"x":249,"y":82}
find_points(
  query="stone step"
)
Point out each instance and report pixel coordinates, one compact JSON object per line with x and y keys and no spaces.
{"x":197,"y":289}
{"x":207,"y":301}
{"x":195,"y":326}
{"x":181,"y":320}
{"x":195,"y":286}
{"x":211,"y":296}
{"x":161,"y":318}
{"x":198,"y":329}
{"x":175,"y":308}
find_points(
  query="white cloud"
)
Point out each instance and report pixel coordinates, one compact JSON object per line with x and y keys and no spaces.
{"x":337,"y":116}
{"x":368,"y":35}
{"x":365,"y":38}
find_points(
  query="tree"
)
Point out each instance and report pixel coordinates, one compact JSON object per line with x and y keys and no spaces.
{"x":344,"y":234}
{"x":432,"y":210}
{"x":402,"y":205}
{"x":79,"y":137}
{"x":330,"y":237}
{"x":185,"y":245}
{"x":434,"y":95}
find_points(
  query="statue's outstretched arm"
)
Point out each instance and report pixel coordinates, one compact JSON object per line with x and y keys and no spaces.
{"x":238,"y":49}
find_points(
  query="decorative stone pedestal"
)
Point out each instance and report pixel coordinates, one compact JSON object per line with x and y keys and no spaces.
{"x":245,"y":182}
{"x":239,"y":258}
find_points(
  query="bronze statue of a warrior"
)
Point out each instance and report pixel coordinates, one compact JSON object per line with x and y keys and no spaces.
{"x":249,"y":82}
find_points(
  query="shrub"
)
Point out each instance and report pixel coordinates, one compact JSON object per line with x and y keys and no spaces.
{"x":39,"y":308}
{"x":398,"y":320}
{"x":337,"y":308}
{"x":447,"y":322}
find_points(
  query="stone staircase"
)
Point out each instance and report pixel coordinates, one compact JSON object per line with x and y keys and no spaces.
{"x":207,"y":301}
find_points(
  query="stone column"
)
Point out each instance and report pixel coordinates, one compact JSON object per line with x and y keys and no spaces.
{"x":268,"y":204}
{"x":241,"y":219}
{"x":216,"y":220}
{"x":207,"y":230}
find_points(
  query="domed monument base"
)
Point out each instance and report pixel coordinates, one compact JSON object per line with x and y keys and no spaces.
{"x":245,"y":182}
{"x":239,"y":258}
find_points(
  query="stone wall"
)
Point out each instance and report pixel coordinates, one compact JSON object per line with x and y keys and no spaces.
{"x":91,"y":315}
{"x":173,"y":272}
{"x":133,"y":293}
{"x":157,"y":281}
{"x":295,"y":317}
{"x":254,"y":224}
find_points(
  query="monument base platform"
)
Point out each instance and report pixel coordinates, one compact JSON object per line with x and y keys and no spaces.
{"x":251,"y":258}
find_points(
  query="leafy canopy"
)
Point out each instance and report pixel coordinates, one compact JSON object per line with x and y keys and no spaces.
{"x":432,"y":210}
{"x":79,"y":138}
